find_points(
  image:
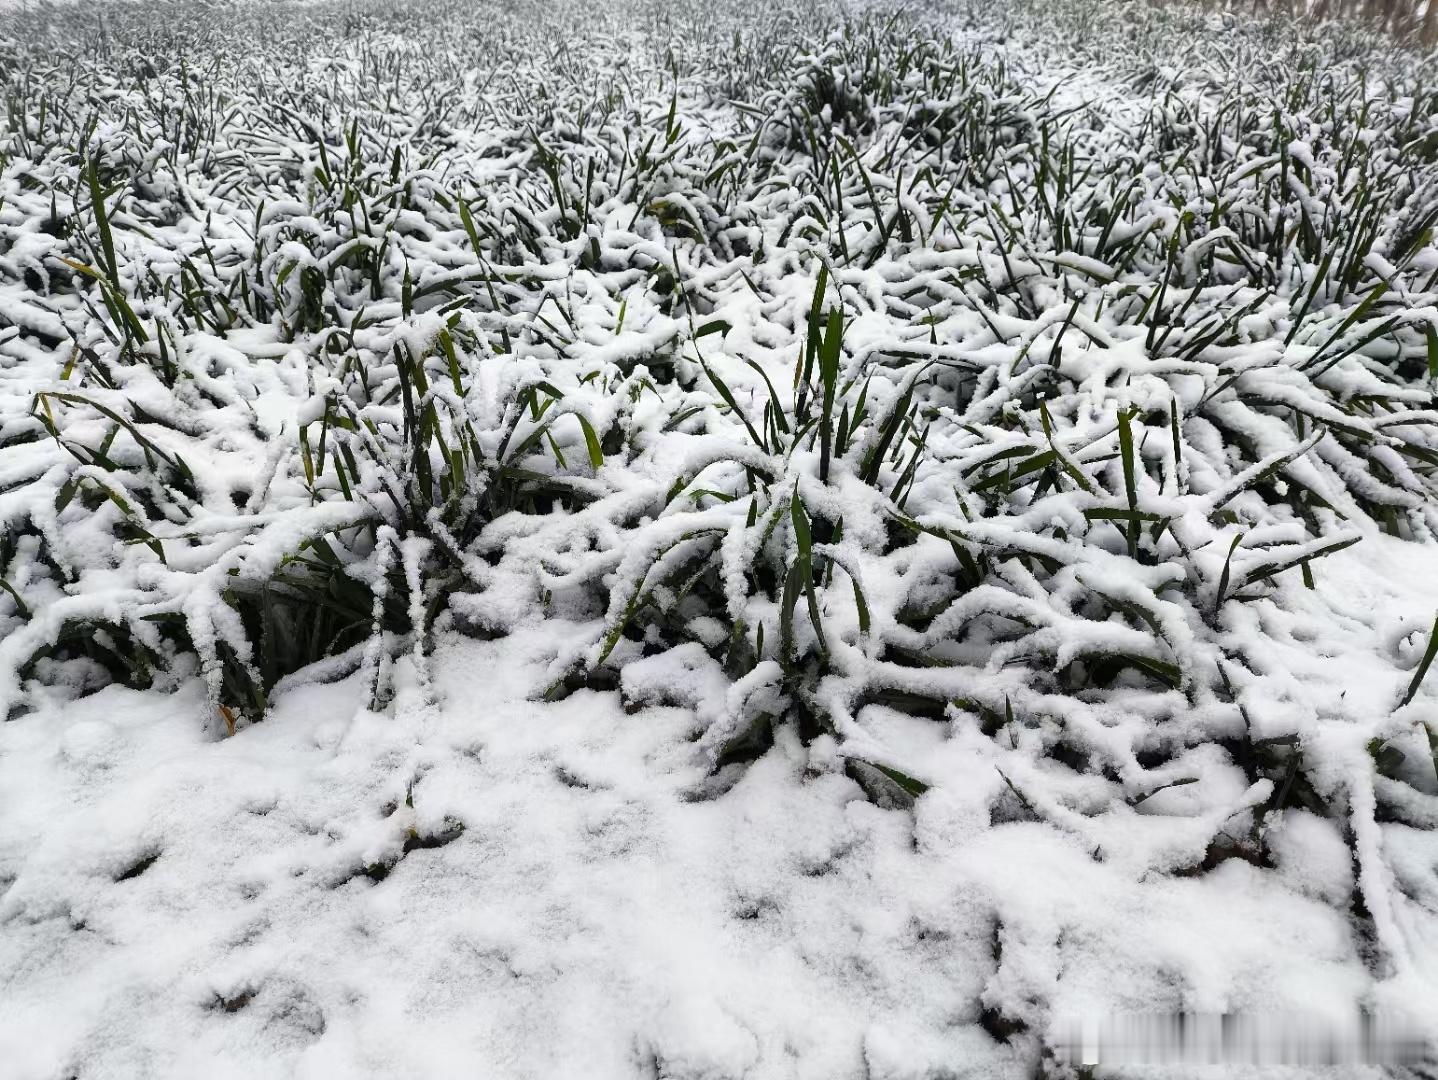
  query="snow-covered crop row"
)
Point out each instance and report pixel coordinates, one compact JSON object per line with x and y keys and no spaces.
{"x":1012,"y":371}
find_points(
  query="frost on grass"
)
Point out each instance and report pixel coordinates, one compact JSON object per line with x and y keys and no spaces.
{"x":1001,"y":444}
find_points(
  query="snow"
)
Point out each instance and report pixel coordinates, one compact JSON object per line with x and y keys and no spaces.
{"x":594,"y":910}
{"x":1088,"y":644}
{"x":592,"y":914}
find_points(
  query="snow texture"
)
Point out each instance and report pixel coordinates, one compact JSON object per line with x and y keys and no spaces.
{"x":553,"y":899}
{"x":677,"y":541}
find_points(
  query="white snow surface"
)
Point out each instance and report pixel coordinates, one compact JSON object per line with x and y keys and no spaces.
{"x":595,"y":919}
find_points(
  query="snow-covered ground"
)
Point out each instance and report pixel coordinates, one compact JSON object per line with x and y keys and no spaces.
{"x":671,"y":541}
{"x":594,"y":918}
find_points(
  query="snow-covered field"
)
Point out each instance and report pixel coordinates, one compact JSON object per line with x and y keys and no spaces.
{"x":677,"y":540}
